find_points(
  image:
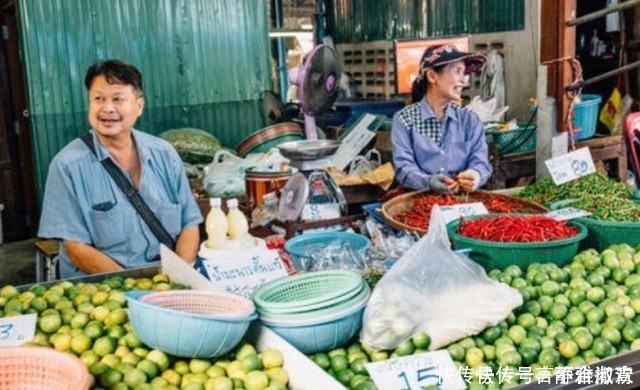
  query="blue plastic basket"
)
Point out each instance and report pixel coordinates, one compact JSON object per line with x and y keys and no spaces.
{"x":186,"y":333}
{"x":586,"y":115}
{"x":321,"y":334}
{"x":305,"y":247}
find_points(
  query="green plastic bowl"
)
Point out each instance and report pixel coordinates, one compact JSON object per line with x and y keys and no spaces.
{"x":500,"y":255}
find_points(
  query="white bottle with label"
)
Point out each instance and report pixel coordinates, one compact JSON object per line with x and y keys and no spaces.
{"x":237,"y":222}
{"x":216,"y":225}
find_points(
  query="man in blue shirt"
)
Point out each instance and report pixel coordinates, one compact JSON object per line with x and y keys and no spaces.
{"x":100,"y":229}
{"x":437,"y":145}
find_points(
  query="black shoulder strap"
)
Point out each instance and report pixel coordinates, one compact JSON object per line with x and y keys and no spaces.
{"x":133,"y":196}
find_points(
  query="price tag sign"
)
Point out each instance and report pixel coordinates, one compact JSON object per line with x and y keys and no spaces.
{"x":417,"y":372}
{"x":355,"y":140}
{"x":246,"y":271}
{"x":571,"y":166}
{"x":17,"y":330}
{"x":457,"y":211}
{"x":566,"y":214}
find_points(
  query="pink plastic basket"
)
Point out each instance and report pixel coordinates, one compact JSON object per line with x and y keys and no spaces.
{"x":202,"y":302}
{"x":35,"y":368}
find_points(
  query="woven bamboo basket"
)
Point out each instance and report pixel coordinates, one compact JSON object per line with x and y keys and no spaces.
{"x":402,"y":203}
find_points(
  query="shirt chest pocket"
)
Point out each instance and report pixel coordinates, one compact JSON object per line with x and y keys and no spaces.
{"x":109,"y":223}
{"x":169,"y":214}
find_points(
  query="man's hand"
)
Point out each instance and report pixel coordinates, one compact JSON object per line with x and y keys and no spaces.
{"x":469,"y":180}
{"x":440,"y":183}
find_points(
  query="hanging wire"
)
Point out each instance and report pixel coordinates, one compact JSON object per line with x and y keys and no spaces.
{"x":576,"y":68}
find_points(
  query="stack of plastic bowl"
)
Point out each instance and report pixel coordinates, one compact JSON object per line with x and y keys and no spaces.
{"x":316,"y":311}
{"x":190,"y":323}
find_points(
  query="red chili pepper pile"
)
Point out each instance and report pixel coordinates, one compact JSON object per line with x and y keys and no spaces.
{"x":516,"y":229}
{"x":420,"y":211}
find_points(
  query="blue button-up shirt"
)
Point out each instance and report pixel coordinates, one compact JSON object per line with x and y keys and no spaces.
{"x":82,"y":203}
{"x":416,"y":156}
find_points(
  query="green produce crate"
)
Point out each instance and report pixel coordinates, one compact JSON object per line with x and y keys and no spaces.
{"x":500,"y":255}
{"x":520,"y":140}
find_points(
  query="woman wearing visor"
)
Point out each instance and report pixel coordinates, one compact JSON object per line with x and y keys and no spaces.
{"x":438,"y":145}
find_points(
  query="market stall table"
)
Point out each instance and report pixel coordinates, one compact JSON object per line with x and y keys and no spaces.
{"x":515,"y":166}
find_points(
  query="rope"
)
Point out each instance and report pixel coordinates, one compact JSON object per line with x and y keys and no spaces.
{"x":576,"y":68}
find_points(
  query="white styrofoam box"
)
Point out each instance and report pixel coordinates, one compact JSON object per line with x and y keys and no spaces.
{"x":303,"y":373}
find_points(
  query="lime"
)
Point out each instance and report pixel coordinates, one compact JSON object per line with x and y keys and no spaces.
{"x":116,"y":317}
{"x":174,"y":378}
{"x":517,"y":333}
{"x":358,"y":366}
{"x":490,"y":335}
{"x":602,"y":347}
{"x":620,"y":274}
{"x":596,"y":280}
{"x":549,"y":357}
{"x":116,"y":332}
{"x":539,"y":278}
{"x":594,"y":328}
{"x":50,"y":323}
{"x":130,"y":358}
{"x":575,"y":318}
{"x":474,"y":356}
{"x":489,"y":352}
{"x":220,"y":383}
{"x":562,"y":299}
{"x":504,"y":348}
{"x":550,"y":288}
{"x":104,"y":346}
{"x":366,"y":385}
{"x":404,"y":349}
{"x":467,"y":342}
{"x":526,"y":320}
{"x":344,"y":376}
{"x":596,"y":294}
{"x":577,"y":361}
{"x":532,"y":307}
{"x":258,"y":380}
{"x":378,"y":356}
{"x":616,"y":321}
{"x":339,"y":363}
{"x":585,"y":306}
{"x":249,"y":363}
{"x":519,"y":283}
{"x":613,"y":308}
{"x":583,"y":339}
{"x":421,"y":340}
{"x":510,"y":358}
{"x":591,"y":262}
{"x":456,"y":351}
{"x":529,"y":355}
{"x":635,"y":345}
{"x":558,"y":311}
{"x":568,"y":349}
{"x":110,"y":378}
{"x":545,"y":303}
{"x":322,"y":360}
{"x":612,"y":334}
{"x":337,"y":352}
{"x":81,"y":343}
{"x":595,"y":314}
{"x":631,"y":332}
{"x":356,"y":380}
{"x":62,"y":342}
{"x":576,"y":297}
{"x":547,"y":342}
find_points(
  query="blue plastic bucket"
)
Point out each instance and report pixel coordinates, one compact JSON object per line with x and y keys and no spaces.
{"x":586,"y":115}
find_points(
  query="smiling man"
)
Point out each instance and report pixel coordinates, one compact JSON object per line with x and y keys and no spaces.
{"x":99,"y":228}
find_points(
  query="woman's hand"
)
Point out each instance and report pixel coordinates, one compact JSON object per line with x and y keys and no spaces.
{"x":440,"y":183}
{"x":469,"y":180}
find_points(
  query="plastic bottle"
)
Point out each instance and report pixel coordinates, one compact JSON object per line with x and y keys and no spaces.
{"x":238,"y":224}
{"x":216,"y":225}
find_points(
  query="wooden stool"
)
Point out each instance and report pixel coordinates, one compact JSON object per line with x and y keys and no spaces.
{"x":47,"y":252}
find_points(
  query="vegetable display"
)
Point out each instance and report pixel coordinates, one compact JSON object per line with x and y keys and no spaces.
{"x":516,"y":229}
{"x":546,"y":192}
{"x":608,"y":208}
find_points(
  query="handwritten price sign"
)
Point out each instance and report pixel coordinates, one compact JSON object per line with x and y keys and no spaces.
{"x":451,"y":213}
{"x":566,"y":214}
{"x":571,"y":166}
{"x":17,"y":330}
{"x":417,"y":372}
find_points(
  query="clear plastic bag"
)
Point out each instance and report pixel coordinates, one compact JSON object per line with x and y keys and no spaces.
{"x":224,"y":177}
{"x":435,"y":290}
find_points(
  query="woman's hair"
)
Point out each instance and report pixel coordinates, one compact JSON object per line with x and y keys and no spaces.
{"x":115,"y":71}
{"x":419,"y":86}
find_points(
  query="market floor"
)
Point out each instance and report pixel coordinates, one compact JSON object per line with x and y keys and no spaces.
{"x":17,"y":262}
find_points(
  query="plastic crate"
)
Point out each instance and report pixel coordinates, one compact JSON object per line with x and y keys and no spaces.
{"x":520,"y":140}
{"x":500,"y":255}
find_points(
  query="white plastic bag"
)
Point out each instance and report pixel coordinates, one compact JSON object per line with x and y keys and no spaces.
{"x":435,"y":290}
{"x":488,"y":111}
{"x":224,"y":177}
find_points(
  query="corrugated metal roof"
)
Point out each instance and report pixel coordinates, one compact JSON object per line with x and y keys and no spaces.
{"x":355,"y":21}
{"x":204,"y":64}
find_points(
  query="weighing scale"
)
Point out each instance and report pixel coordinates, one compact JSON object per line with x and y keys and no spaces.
{"x":311,"y":194}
